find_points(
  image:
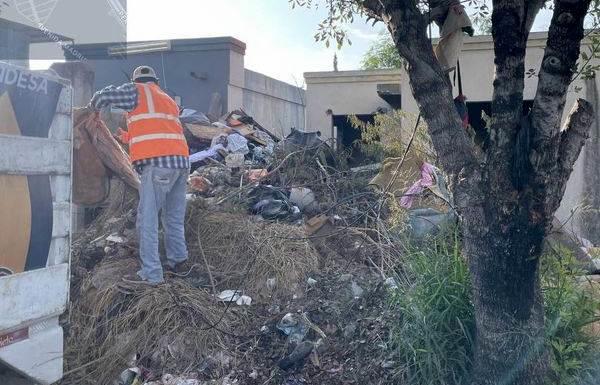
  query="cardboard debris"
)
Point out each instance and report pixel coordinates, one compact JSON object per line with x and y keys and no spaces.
{"x":204,"y":133}
{"x":240,"y":117}
{"x":91,"y":181}
{"x":314,"y":224}
{"x":97,"y":156}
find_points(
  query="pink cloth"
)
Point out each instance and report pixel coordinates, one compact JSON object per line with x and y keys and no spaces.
{"x":427,"y":180}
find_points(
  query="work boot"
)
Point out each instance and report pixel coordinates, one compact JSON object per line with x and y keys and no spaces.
{"x":182,"y":269}
{"x":137,"y":280}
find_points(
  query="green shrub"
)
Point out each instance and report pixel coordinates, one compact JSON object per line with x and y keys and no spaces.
{"x":569,"y":308}
{"x":389,"y":134}
{"x":433,"y":339}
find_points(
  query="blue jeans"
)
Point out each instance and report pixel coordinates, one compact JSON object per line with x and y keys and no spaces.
{"x":161,"y":189}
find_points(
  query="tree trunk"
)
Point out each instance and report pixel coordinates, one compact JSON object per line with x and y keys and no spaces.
{"x":503,"y":262}
{"x":505,"y":212}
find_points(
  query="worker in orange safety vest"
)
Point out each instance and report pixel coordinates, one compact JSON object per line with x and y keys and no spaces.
{"x":160,"y":154}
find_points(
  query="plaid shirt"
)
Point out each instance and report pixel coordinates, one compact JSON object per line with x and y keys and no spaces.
{"x":125,"y":97}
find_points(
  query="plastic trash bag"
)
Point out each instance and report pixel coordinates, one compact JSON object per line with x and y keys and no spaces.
{"x":190,"y":116}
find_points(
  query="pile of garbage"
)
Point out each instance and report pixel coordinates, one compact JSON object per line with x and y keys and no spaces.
{"x":232,"y":140}
{"x":291,"y":253}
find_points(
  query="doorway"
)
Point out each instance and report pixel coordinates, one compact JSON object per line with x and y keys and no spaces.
{"x":349,"y":138}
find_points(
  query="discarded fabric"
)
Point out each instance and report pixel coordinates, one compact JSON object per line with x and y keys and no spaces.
{"x":193,"y":117}
{"x":271,"y":203}
{"x":427,"y":179}
{"x":234,"y":160}
{"x":237,"y":144}
{"x":202,"y":155}
{"x":219,"y":139}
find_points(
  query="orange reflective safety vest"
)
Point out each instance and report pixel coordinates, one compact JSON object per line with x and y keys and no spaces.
{"x":153,"y":126}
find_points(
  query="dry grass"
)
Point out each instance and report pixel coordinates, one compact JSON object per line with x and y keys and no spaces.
{"x":168,"y":327}
{"x":244,"y":254}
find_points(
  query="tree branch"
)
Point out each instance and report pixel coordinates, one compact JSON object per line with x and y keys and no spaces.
{"x":573,"y":137}
{"x":549,"y":187}
{"x":373,"y":8}
{"x":553,"y":154}
{"x":508,"y":20}
{"x":557,"y":69}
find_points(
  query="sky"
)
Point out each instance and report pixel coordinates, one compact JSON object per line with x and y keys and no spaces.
{"x":280,"y":40}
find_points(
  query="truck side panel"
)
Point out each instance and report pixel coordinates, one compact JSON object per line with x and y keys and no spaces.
{"x":36,"y":150}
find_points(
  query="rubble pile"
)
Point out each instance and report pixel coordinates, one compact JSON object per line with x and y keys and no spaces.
{"x":292,"y":254}
{"x":167,"y":328}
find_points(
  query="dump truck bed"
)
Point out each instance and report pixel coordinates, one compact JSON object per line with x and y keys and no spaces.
{"x":35,"y":220}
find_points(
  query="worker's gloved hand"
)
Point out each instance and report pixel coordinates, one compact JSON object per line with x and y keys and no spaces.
{"x":90,"y":107}
{"x":122,"y":136}
{"x":469,"y":30}
{"x":94,"y":111}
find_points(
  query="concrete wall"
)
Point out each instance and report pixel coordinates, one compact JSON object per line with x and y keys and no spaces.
{"x":82,"y":79}
{"x":237,"y":81}
{"x":217,"y":65}
{"x":276,"y":105}
{"x":193,"y":69}
{"x":343,"y":93}
{"x":14,"y":47}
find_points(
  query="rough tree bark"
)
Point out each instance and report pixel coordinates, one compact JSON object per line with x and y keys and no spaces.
{"x":505,"y":212}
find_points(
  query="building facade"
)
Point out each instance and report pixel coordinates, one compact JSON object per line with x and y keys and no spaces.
{"x":338,"y":94}
{"x":201,"y":72}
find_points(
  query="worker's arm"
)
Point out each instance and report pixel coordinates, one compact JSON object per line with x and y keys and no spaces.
{"x":124,"y":97}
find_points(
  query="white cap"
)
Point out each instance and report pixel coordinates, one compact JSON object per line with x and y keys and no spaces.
{"x":144,"y":72}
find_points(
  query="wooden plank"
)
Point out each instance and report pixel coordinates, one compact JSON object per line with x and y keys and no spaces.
{"x":61,"y":225}
{"x":34,"y":156}
{"x":205,"y":133}
{"x":255,"y":139}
